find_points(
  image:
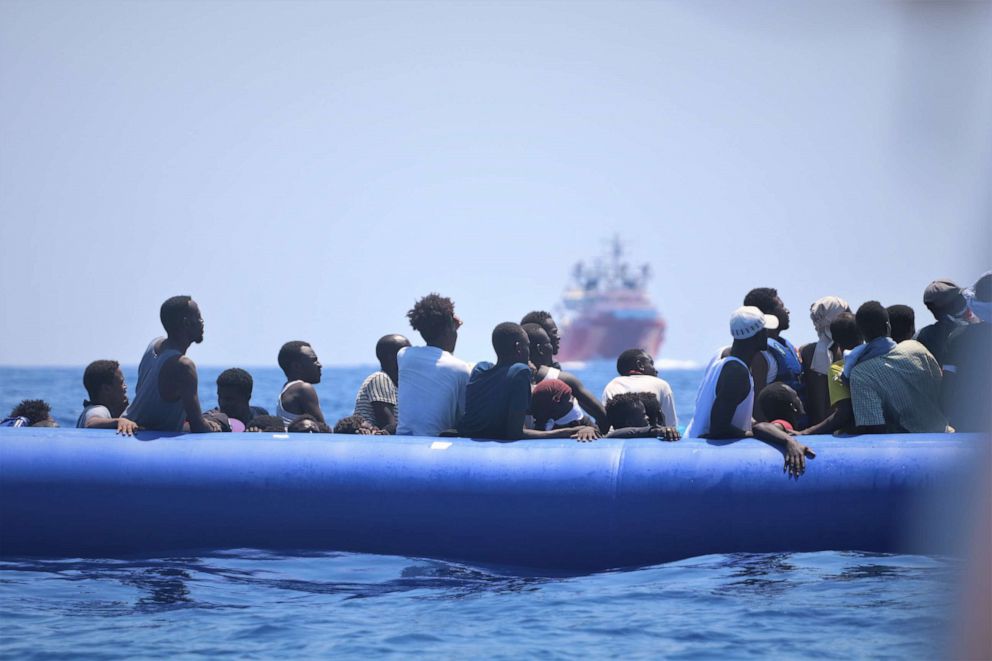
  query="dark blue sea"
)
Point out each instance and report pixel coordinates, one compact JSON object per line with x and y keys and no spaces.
{"x":247,"y":603}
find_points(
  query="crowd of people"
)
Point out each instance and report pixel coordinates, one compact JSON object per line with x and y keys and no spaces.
{"x":865,"y":373}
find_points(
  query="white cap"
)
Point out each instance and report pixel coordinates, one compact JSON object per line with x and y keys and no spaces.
{"x":748,"y":320}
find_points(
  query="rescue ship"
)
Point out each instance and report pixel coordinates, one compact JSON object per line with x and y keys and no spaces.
{"x":605,"y":310}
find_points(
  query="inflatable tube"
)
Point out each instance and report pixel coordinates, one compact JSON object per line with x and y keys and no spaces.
{"x":542,"y":504}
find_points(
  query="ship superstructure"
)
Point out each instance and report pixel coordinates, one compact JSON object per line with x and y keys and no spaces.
{"x":606,"y":310}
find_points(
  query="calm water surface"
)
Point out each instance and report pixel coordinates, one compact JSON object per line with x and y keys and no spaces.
{"x":254,"y":604}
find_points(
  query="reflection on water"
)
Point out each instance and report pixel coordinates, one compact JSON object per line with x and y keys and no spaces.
{"x":255,"y":603}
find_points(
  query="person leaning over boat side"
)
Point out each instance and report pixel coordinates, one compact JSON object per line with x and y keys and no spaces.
{"x":781,"y":406}
{"x":725,"y":400}
{"x":497,"y":397}
{"x":845,"y":334}
{"x":266,"y":423}
{"x":234,"y":387}
{"x":902,"y":321}
{"x":950,"y":309}
{"x":298,"y":397}
{"x":779,"y":361}
{"x":30,"y":413}
{"x":376,"y":398}
{"x":166,"y":393}
{"x":552,"y":408}
{"x":628,"y":414}
{"x":894,"y":387}
{"x":430,"y":395}
{"x":541,"y":354}
{"x":967,"y":386}
{"x":356,"y":424}
{"x":543,"y":319}
{"x":817,"y":357}
{"x":638,"y":374}
{"x":107,"y":391}
{"x":308,"y":424}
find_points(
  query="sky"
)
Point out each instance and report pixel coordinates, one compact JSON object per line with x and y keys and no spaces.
{"x":309,"y":170}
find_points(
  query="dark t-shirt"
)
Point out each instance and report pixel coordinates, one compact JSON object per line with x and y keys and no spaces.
{"x":934,"y":338}
{"x":492,"y":392}
{"x":968,"y":384}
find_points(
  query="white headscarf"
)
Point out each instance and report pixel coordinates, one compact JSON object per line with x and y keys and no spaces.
{"x":822,"y":313}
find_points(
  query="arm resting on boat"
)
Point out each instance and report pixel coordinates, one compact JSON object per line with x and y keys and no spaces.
{"x":385,"y":416}
{"x":186,"y":381}
{"x":122,"y":425}
{"x":587,"y":401}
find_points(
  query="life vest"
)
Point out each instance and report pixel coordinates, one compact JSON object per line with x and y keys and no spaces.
{"x":790,"y":368}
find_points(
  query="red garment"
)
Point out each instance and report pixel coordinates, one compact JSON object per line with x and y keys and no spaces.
{"x":784,"y":423}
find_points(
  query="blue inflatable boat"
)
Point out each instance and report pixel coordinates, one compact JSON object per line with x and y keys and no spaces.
{"x":557,"y":505}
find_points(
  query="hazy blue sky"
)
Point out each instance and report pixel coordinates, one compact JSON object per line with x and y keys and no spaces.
{"x":307,"y":170}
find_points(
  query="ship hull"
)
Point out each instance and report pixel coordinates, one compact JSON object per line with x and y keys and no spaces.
{"x":605,"y":337}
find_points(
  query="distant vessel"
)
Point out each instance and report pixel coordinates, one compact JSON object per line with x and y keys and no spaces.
{"x":605,"y":310}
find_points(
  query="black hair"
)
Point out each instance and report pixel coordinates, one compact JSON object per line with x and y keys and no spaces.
{"x":99,"y":373}
{"x":268,"y":423}
{"x":902,"y":319}
{"x":35,"y":410}
{"x":349,"y":425}
{"x":237,"y":378}
{"x":505,"y":337}
{"x":290,"y":352}
{"x":533,"y":329}
{"x":621,"y":406}
{"x":844,"y":331}
{"x":535,"y":317}
{"x":388,"y":346}
{"x":173,"y":311}
{"x":432,"y":315}
{"x":775,"y":402}
{"x":653,"y":408}
{"x":983,"y":288}
{"x":762,"y":298}
{"x":297,"y":425}
{"x":873,"y":320}
{"x":628,"y":361}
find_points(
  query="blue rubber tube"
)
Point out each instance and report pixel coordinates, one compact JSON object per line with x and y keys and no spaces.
{"x":543,"y":504}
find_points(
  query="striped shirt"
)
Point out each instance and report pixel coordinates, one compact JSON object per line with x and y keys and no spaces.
{"x":900,"y":390}
{"x":377,"y":387}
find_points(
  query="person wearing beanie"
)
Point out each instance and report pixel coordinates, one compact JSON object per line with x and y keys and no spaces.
{"x":950,"y":309}
{"x":967,"y":387}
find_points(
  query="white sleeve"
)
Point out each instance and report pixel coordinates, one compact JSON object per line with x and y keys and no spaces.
{"x":97,"y":412}
{"x":668,"y":407}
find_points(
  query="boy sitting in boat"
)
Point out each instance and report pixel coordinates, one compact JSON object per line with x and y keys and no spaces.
{"x":498,"y":396}
{"x":166,"y":397}
{"x":628,"y":413}
{"x":553,"y":409}
{"x":637,"y":373}
{"x":376,"y":398}
{"x":302,"y":368}
{"x":431,"y":391}
{"x":542,"y":355}
{"x":107,"y":391}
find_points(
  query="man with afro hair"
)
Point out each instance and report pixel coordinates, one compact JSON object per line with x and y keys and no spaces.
{"x":431,"y":391}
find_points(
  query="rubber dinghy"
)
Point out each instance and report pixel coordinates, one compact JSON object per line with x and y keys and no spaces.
{"x":556,"y":505}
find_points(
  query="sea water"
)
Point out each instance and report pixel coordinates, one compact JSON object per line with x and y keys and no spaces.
{"x":244,"y":602}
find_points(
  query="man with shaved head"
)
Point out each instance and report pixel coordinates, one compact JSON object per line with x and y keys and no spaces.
{"x":542,"y":356}
{"x":498,"y":397}
{"x":376,"y":398}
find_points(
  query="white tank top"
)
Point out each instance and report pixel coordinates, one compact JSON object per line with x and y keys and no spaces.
{"x":706,"y":396}
{"x":287,"y":416}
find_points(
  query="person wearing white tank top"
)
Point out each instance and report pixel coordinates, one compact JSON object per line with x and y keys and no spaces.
{"x":302,"y":369}
{"x":725,"y":400}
